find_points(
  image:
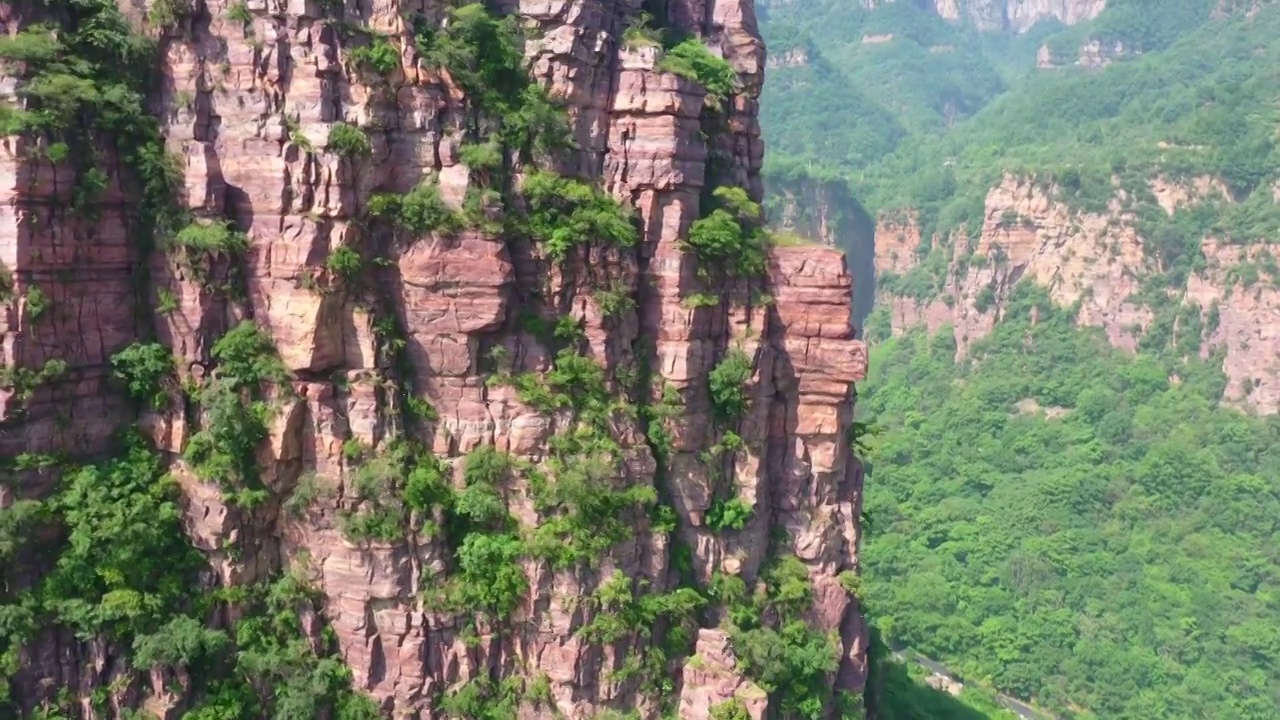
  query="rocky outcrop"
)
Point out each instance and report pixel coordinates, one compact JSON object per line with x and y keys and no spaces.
{"x":825,"y":210}
{"x":1096,"y":262}
{"x":1240,"y":302}
{"x":1017,"y":16}
{"x":248,"y":108}
{"x":1093,"y":54}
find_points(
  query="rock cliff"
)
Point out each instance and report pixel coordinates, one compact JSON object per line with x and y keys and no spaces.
{"x":1017,"y":16}
{"x":297,"y":124}
{"x":825,"y":210}
{"x":1098,"y":262}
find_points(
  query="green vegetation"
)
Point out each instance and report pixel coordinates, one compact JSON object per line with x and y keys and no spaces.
{"x":588,"y":503}
{"x":120,"y":569}
{"x":1161,"y":113}
{"x":483,"y":55}
{"x":775,"y":647}
{"x":144,"y":368}
{"x":89,"y":81}
{"x":344,"y":262}
{"x":348,"y":141}
{"x":730,"y":239}
{"x":840,"y":102}
{"x":24,"y":381}
{"x":1132,"y":24}
{"x":235,"y":416}
{"x":1114,"y":558}
{"x":36,"y":302}
{"x":239,"y":12}
{"x":377,"y":488}
{"x":641,"y":33}
{"x":167,"y":13}
{"x":1164,"y":111}
{"x":898,"y":691}
{"x":126,"y":562}
{"x":124,"y":571}
{"x":1097,"y":556}
{"x":691,"y":59}
{"x":209,"y":237}
{"x":727,"y":384}
{"x":732,"y":514}
{"x":380,"y":55}
{"x":418,"y":212}
{"x":733,"y":709}
{"x":565,"y":214}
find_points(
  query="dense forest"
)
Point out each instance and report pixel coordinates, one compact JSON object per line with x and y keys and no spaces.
{"x":1053,"y":518}
{"x":1064,"y":521}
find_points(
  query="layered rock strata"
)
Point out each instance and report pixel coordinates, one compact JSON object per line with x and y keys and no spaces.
{"x":1016,"y":16}
{"x":1096,"y":262}
{"x":248,"y":107}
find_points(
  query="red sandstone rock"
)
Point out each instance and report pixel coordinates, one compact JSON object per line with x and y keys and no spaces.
{"x":248,"y":103}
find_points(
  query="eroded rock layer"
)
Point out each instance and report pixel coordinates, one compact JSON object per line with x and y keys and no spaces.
{"x":1099,"y":263}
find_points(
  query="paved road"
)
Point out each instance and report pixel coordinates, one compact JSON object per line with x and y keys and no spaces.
{"x":1023,"y":710}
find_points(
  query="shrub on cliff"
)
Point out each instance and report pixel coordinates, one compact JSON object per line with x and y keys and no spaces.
{"x":775,"y":646}
{"x":420,"y":211}
{"x":167,"y":13}
{"x":376,"y":489}
{"x":234,"y":420}
{"x":126,"y":564}
{"x":482,"y":54}
{"x":731,"y":514}
{"x":693,"y":60}
{"x":727,"y":383}
{"x":380,"y":55}
{"x":246,"y":356}
{"x":144,"y":367}
{"x":344,"y":262}
{"x":733,"y":709}
{"x":564,"y":213}
{"x":87,"y":84}
{"x":640,"y":33}
{"x":729,"y":240}
{"x":490,"y":576}
{"x":209,"y":237}
{"x":348,"y":141}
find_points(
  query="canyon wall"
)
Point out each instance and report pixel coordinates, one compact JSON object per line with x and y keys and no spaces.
{"x":1098,"y":263}
{"x":1016,"y":16}
{"x":248,"y":105}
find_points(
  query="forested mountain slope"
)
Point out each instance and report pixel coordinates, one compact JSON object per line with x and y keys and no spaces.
{"x":1075,"y":363}
{"x":1068,"y":523}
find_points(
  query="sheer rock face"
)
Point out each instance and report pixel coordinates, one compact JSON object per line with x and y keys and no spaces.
{"x":1020,"y":15}
{"x":1017,"y":16}
{"x":248,"y":109}
{"x":1099,"y":261}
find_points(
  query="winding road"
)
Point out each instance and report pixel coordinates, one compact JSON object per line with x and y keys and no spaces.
{"x":1018,"y":707}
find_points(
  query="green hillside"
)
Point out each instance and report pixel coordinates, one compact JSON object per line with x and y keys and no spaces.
{"x":1119,"y":556}
{"x":1205,"y":105}
{"x":1199,"y":99}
